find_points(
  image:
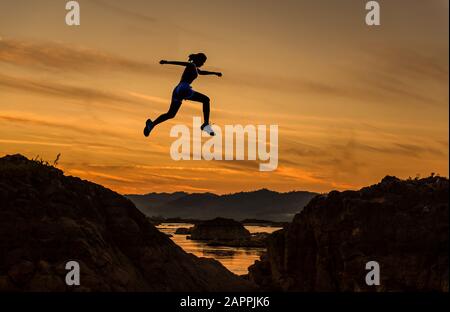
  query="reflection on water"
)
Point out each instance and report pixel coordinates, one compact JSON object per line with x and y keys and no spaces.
{"x":235,"y":259}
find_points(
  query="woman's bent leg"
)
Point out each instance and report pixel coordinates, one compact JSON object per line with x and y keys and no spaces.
{"x":199,"y":97}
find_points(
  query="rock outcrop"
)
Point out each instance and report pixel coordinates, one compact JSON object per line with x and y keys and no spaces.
{"x":48,"y":219}
{"x":183,"y":231}
{"x":402,"y":225}
{"x":226,"y":232}
{"x":219,"y":229}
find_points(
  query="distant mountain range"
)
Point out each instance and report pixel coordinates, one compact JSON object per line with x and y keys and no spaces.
{"x":262,"y":204}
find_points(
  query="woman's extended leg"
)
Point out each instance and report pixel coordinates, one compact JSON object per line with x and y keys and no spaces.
{"x":173,"y":109}
{"x":171,"y":113}
{"x":198,"y":97}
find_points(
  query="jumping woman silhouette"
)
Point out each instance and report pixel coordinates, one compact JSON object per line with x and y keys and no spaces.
{"x":183,"y":91}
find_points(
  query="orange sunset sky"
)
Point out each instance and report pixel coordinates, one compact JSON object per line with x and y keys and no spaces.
{"x":353,"y":103}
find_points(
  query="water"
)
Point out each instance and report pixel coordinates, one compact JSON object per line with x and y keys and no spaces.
{"x":235,"y":259}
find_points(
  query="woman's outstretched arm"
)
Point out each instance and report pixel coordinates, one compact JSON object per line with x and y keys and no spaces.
{"x":174,"y":63}
{"x":205,"y":72}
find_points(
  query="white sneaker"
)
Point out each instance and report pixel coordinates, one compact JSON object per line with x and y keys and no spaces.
{"x":209,"y":130}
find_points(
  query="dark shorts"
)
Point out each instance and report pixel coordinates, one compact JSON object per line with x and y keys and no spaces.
{"x":182,"y":92}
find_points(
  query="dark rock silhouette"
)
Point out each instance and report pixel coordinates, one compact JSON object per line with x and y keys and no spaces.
{"x":403,"y":225}
{"x":220,"y":229}
{"x":48,"y":219}
{"x":226,"y":232}
{"x":257,"y":222}
{"x":261,"y":204}
{"x":183,"y":231}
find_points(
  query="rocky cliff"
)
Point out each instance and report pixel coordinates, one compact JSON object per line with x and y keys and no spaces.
{"x":48,"y":219}
{"x":402,"y":225}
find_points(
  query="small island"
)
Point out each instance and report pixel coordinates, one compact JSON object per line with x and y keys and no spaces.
{"x":224,"y":232}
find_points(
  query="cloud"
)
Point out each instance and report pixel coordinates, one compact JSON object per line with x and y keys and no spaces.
{"x":248,"y":167}
{"x":146,"y":19}
{"x":380,"y":74}
{"x":104,"y":99}
{"x":125,"y":12}
{"x":387,"y":75}
{"x":83,"y":129}
{"x":285,"y":84}
{"x":146,"y":97}
{"x":444,"y":143}
{"x":303,"y":150}
{"x":202,"y":170}
{"x":123,"y":179}
{"x":345,"y":156}
{"x":87,"y":137}
{"x":94,"y":174}
{"x":27,"y":142}
{"x":142,"y":172}
{"x":348,"y":161}
{"x":402,"y":149}
{"x":417,"y":150}
{"x":63,"y":57}
{"x":60,"y":90}
{"x":412,"y":63}
{"x":401,"y":72}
